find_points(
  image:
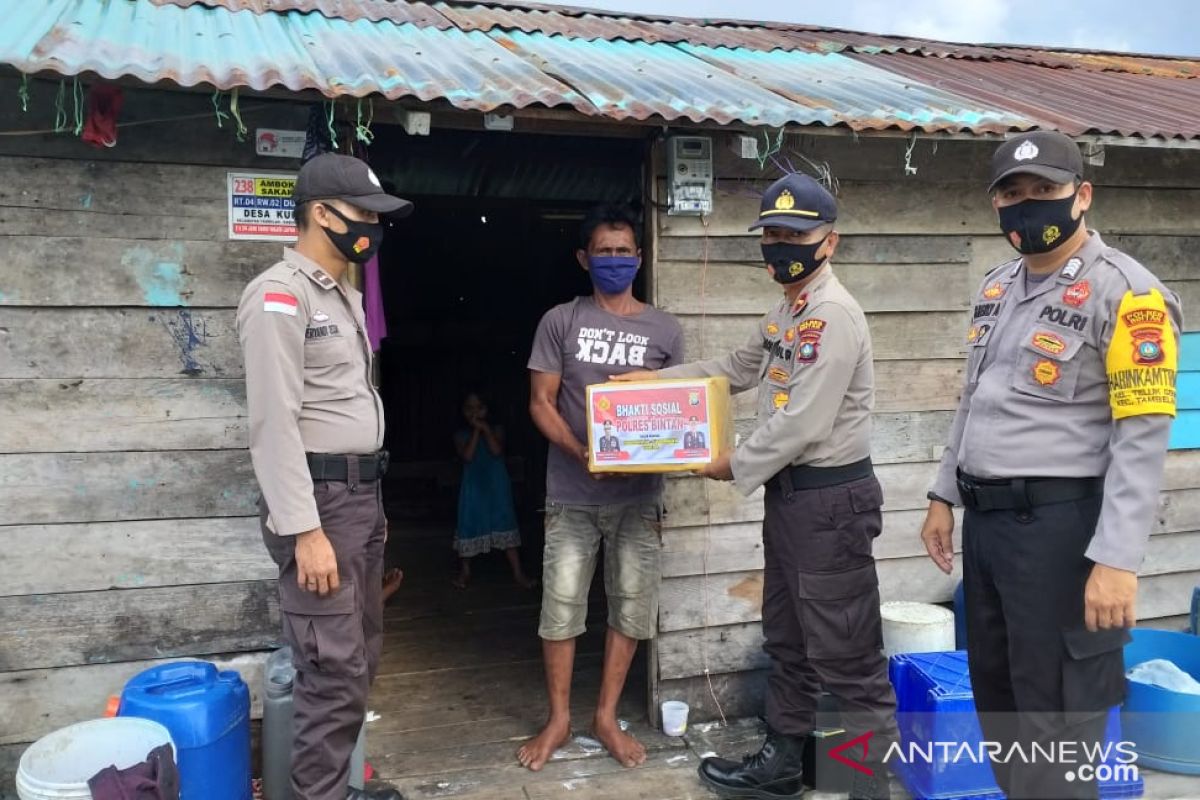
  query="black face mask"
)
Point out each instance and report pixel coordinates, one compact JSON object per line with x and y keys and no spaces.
{"x":792,"y":261}
{"x":360,"y":241}
{"x":1042,"y":225}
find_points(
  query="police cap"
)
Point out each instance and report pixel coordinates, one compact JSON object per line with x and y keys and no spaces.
{"x":331,"y":176}
{"x":1047,"y":154}
{"x":798,"y":202}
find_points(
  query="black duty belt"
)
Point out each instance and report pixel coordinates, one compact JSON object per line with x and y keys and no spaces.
{"x":1022,"y":494}
{"x":796,"y":478}
{"x":336,"y":467}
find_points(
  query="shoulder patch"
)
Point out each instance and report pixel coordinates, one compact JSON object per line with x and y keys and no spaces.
{"x":1142,"y":358}
{"x":280,"y":303}
{"x":811,"y":326}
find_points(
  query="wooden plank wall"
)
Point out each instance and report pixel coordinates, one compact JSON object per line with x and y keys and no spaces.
{"x":128,"y":498}
{"x":914,"y":249}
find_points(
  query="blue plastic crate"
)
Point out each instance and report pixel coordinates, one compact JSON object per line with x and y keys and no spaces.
{"x":935,"y":704}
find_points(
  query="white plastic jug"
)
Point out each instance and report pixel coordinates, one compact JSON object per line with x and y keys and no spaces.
{"x":59,"y":765}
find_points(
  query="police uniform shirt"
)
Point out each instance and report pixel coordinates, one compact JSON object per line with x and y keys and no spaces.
{"x":811,"y":362}
{"x":1068,"y":378}
{"x":308,"y":385}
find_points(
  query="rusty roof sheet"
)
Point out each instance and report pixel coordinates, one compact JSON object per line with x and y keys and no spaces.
{"x":836,"y":89}
{"x":485,"y":56}
{"x":1075,"y":102}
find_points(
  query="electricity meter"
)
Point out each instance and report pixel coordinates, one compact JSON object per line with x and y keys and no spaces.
{"x":690,"y":175}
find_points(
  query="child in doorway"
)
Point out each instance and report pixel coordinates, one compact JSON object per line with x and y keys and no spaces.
{"x":486,"y":518}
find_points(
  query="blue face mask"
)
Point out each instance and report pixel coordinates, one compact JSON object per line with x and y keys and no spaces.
{"x":613,"y":274}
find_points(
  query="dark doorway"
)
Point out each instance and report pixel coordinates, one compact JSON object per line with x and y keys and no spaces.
{"x":466,"y":279}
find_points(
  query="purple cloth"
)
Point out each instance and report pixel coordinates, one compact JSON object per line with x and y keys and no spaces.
{"x":156,"y":778}
{"x":373,"y":304}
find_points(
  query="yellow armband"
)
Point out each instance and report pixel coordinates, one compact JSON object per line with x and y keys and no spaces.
{"x":1142,"y":358}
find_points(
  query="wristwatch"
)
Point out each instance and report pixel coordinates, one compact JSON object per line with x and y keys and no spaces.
{"x":939,"y":499}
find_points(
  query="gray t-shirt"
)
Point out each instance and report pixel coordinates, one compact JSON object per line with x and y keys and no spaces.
{"x":585,"y":344}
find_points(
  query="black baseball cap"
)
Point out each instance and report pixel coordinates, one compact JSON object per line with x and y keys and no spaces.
{"x":330,"y":176}
{"x":798,"y":202}
{"x":1047,"y":154}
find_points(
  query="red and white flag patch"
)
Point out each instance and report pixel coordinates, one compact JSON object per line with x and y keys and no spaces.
{"x":280,"y":303}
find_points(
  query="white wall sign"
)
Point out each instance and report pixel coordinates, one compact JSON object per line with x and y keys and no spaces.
{"x":279,"y":143}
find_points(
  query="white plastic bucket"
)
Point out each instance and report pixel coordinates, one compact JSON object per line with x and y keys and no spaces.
{"x":916,"y":628}
{"x":674,"y":715}
{"x":59,"y":765}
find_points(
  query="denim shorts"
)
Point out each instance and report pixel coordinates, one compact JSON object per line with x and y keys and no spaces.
{"x":632,"y":536}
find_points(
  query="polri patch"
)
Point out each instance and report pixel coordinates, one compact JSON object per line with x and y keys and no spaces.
{"x":779,"y":400}
{"x":1077,"y":293}
{"x":280,"y":303}
{"x":1064,"y":317}
{"x":808,"y":349}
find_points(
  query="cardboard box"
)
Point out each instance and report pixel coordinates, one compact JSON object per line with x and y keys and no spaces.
{"x":658,"y":426}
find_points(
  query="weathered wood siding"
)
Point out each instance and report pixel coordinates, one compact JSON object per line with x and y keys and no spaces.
{"x":914,"y":249}
{"x":128,"y":520}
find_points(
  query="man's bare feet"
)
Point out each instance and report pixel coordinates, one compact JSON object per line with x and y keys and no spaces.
{"x":627,"y":750}
{"x":391,"y":583}
{"x":534,"y":754}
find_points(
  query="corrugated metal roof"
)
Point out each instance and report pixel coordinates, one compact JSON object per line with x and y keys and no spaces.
{"x":190,"y":46}
{"x":837,"y":89}
{"x":591,"y":24}
{"x":1075,"y":102}
{"x":484,"y":56}
{"x":638,"y":80}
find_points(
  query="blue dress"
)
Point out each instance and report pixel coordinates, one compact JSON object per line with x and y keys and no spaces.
{"x":486,"y":518}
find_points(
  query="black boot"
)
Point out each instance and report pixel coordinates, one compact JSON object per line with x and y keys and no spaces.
{"x":382,"y":793}
{"x":776,"y":772}
{"x":871,"y":787}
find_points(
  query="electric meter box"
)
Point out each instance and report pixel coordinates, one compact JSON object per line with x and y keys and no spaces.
{"x":690,"y":175}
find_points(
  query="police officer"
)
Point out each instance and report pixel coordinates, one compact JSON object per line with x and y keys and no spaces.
{"x":810,"y":359}
{"x":316,"y":429}
{"x":1057,"y":453}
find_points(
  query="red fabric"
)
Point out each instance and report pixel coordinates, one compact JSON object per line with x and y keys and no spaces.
{"x":104,"y":106}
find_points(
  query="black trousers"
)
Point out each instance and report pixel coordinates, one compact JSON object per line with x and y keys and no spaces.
{"x":1039,"y":676}
{"x":821,"y":610}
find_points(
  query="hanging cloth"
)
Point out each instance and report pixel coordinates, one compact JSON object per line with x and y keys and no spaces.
{"x":373,"y":304}
{"x":103,"y":107}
